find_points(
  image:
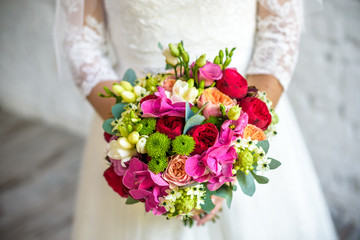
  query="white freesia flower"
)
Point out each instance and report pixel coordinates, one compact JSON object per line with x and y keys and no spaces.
{"x":182,"y":93}
{"x":170,"y":59}
{"x":120,"y":150}
{"x":140,"y":145}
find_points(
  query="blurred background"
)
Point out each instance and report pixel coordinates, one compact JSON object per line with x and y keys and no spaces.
{"x":44,"y":121}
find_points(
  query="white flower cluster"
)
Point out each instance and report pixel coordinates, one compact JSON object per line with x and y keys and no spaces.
{"x":259,"y":155}
{"x":180,"y":201}
{"x":271,"y":130}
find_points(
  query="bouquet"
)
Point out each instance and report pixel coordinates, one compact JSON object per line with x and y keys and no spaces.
{"x":178,"y":137}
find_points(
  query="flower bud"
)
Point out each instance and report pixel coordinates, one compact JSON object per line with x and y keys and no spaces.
{"x":133,"y":137}
{"x":130,"y":128}
{"x":124,"y":143}
{"x":128,"y":96}
{"x":227,"y":62}
{"x":169,"y":58}
{"x":123,"y":131}
{"x":139,"y":127}
{"x":117,"y":89}
{"x":217,"y":60}
{"x":140,"y":145}
{"x":174,"y":50}
{"x":185,"y":56}
{"x":190,"y":82}
{"x":221,"y":55}
{"x":201,"y":61}
{"x":202,"y":84}
{"x":126,"y":85}
{"x":234,"y":113}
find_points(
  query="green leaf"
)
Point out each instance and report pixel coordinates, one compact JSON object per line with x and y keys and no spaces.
{"x":117,"y":110}
{"x":225,"y":191}
{"x":130,"y":76}
{"x":264,"y":145}
{"x":208,"y":205}
{"x":246,"y":183}
{"x":260,"y":179}
{"x":188,"y":112}
{"x":274,"y":164}
{"x":234,"y":187}
{"x":168,"y":67}
{"x":160,"y":46}
{"x":131,"y":200}
{"x":193,"y":121}
{"x":107,"y":125}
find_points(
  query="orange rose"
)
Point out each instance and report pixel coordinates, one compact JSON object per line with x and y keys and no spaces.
{"x":213,"y":97}
{"x":169,"y":83}
{"x":175,"y":172}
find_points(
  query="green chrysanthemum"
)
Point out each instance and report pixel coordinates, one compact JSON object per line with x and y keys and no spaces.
{"x":149,"y":125}
{"x":244,"y":162}
{"x":183,"y":145}
{"x":157,"y":165}
{"x":157,"y":145}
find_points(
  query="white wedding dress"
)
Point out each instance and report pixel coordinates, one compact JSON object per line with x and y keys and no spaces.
{"x":266,"y":34}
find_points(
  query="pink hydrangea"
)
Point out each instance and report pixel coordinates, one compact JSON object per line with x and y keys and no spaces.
{"x":232,"y":129}
{"x":145,"y":186}
{"x":162,"y":106}
{"x":214,"y":165}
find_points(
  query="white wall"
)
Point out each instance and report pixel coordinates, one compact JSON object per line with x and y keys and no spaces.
{"x":325,"y":90}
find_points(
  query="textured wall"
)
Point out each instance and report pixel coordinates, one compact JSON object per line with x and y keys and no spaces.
{"x":325,"y":95}
{"x":324,"y":92}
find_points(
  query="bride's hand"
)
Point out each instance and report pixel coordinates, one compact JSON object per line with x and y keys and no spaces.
{"x":267,"y":83}
{"x":218,"y":202}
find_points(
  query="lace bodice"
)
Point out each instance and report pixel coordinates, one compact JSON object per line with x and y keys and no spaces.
{"x":265,"y":32}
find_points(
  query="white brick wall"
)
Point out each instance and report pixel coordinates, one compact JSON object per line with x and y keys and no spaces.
{"x":325,"y":90}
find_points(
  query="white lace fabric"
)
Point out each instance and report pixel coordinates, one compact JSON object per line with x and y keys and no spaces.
{"x":277,"y":39}
{"x":87,"y":53}
{"x":275,"y":49}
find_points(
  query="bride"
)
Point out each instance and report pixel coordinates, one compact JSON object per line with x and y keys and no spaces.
{"x":91,"y":34}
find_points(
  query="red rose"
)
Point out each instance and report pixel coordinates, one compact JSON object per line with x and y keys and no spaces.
{"x":148,"y":97}
{"x":205,"y":136}
{"x":257,"y":111}
{"x":232,"y":84}
{"x":115,"y":182}
{"x":107,"y":137}
{"x":171,"y":126}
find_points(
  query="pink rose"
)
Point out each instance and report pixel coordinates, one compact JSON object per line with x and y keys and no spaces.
{"x":169,"y":83}
{"x":213,"y":97}
{"x":175,"y":172}
{"x":209,"y":73}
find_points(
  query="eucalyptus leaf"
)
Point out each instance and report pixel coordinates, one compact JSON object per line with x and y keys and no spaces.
{"x":107,"y":125}
{"x":225,"y":191}
{"x":208,"y":204}
{"x":131,"y":200}
{"x":130,"y":76}
{"x":188,"y":112}
{"x":160,"y":46}
{"x":260,"y":179}
{"x":264,"y":145}
{"x":274,"y":164}
{"x":246,"y":183}
{"x":117,"y":110}
{"x":193,"y":121}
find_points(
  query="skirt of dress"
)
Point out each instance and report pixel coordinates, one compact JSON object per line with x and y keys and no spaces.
{"x":291,"y":206}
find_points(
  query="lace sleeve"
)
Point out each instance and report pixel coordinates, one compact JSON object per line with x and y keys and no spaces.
{"x":277,"y":39}
{"x":85,"y":43}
